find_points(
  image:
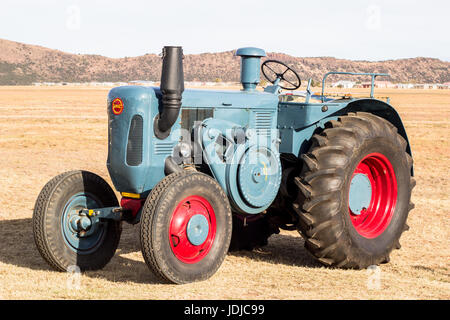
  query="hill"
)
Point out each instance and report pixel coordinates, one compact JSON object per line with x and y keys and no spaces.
{"x":24,"y":64}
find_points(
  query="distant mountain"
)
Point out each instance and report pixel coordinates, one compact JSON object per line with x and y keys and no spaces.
{"x":25,"y":64}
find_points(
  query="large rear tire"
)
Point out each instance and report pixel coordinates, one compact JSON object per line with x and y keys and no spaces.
{"x":186,"y":228}
{"x":60,"y":199}
{"x":355,"y":189}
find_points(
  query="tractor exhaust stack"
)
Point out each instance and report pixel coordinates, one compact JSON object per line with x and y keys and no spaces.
{"x":172,"y":87}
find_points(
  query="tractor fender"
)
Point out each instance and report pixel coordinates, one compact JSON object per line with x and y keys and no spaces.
{"x":381,"y":109}
{"x":297,"y":125}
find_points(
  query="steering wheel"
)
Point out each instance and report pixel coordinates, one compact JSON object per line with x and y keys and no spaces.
{"x":274,"y":70}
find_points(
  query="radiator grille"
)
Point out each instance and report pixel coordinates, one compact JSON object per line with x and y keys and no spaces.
{"x":163,"y":148}
{"x":134,"y":146}
{"x":190,"y":116}
{"x":263,"y":122}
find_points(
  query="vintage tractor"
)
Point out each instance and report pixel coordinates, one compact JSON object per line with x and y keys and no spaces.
{"x":207,"y":171}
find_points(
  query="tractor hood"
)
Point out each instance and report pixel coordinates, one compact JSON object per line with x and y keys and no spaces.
{"x":136,"y":156}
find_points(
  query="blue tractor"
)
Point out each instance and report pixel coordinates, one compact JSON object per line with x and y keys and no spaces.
{"x":205,"y":172}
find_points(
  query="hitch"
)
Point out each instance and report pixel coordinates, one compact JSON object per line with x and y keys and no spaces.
{"x":86,"y":218}
{"x":113,"y":213}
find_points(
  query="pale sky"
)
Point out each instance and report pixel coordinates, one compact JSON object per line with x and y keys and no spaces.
{"x":352,"y":29}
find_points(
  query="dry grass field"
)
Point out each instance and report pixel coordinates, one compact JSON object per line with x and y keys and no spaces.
{"x":47,"y":130}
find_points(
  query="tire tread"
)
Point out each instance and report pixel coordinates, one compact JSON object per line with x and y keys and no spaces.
{"x":317,"y":205}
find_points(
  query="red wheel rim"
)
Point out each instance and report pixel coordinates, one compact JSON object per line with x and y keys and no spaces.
{"x":373,"y":220}
{"x":191,"y":207}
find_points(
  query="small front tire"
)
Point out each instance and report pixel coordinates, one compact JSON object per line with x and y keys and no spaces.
{"x":185,"y":228}
{"x":62,"y":197}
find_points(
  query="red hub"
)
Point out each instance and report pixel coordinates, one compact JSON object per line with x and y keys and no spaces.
{"x":374,"y":218}
{"x":192,"y":229}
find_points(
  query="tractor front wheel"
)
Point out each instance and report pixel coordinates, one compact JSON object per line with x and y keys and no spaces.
{"x":186,"y":228}
{"x":56,"y":222}
{"x":354,"y":192}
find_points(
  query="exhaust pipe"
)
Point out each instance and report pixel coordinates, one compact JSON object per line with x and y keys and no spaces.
{"x":172,"y":87}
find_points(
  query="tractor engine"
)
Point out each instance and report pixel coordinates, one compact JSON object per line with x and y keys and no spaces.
{"x":230,"y":135}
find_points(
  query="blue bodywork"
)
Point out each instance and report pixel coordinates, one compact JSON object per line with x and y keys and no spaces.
{"x":269,"y":127}
{"x":298,"y":121}
{"x":242,"y":108}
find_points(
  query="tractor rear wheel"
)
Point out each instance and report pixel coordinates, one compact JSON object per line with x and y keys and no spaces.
{"x":59,"y":242}
{"x":186,"y":228}
{"x":355,"y":189}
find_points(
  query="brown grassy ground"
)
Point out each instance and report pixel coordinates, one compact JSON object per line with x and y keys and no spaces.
{"x":45,"y":131}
